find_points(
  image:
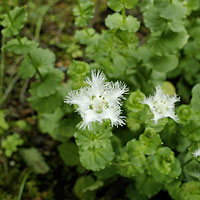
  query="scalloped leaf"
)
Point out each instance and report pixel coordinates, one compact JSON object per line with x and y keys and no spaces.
{"x":12,"y":26}
{"x":116,"y":20}
{"x":167,"y":42}
{"x":15,"y":47}
{"x":68,"y":151}
{"x":118,"y":5}
{"x":153,"y":20}
{"x":46,"y":104}
{"x":136,"y":155}
{"x":164,"y":178}
{"x":190,"y":191}
{"x":174,"y":10}
{"x":43,"y":59}
{"x":84,"y":13}
{"x":163,"y":63}
{"x":195,"y":103}
{"x":125,"y":167}
{"x":163,"y":160}
{"x":95,"y":147}
{"x":85,"y":186}
{"x":151,"y":141}
{"x":49,"y":85}
{"x":97,"y":158}
{"x":48,"y":122}
{"x":147,"y":185}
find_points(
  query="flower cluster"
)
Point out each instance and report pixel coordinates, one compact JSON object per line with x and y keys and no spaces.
{"x":99,"y":101}
{"x":161,"y":105}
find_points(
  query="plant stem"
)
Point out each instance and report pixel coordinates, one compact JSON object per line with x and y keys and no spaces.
{"x":9,"y":88}
{"x":79,"y":6}
{"x":80,"y":11}
{"x":3,"y":40}
{"x":86,"y":30}
{"x":19,"y":40}
{"x":41,"y":18}
{"x":124,"y":14}
{"x":5,"y":5}
{"x":36,"y":68}
{"x":22,"y":185}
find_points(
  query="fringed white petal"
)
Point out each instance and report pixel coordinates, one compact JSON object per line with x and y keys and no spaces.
{"x":99,"y":101}
{"x":161,"y":105}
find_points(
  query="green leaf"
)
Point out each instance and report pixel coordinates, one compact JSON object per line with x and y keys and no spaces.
{"x":195,"y":103}
{"x":133,"y":102}
{"x":78,"y":70}
{"x":185,"y":114}
{"x":85,"y":186}
{"x":151,"y":141}
{"x":95,"y":147}
{"x":15,"y":47}
{"x":168,"y":42}
{"x":67,"y":127}
{"x":115,"y":5}
{"x":190,"y":69}
{"x":136,"y":155}
{"x":191,"y":170}
{"x":176,"y":25}
{"x":48,"y":122}
{"x":164,"y":178}
{"x":84,"y":13}
{"x":130,"y":3}
{"x":174,"y":10}
{"x":116,"y":20}
{"x":131,"y":24}
{"x":106,"y":173}
{"x":126,"y":40}
{"x":68,"y":151}
{"x":133,"y":194}
{"x":190,"y":191}
{"x":10,"y":144}
{"x":49,"y":85}
{"x":153,"y":20}
{"x":43,"y":59}
{"x":12,"y":26}
{"x":85,"y":38}
{"x":118,"y":5}
{"x":147,"y":185}
{"x":35,"y":160}
{"x":193,"y":4}
{"x":163,"y":63}
{"x":161,"y":3}
{"x":97,"y":158}
{"x":124,"y":166}
{"x":45,"y":104}
{"x":98,"y":137}
{"x":163,"y":160}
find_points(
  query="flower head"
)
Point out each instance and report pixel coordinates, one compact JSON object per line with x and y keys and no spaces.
{"x":99,"y":101}
{"x":161,"y":105}
{"x":196,"y":153}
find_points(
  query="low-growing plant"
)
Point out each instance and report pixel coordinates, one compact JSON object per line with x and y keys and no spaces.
{"x":145,"y":46}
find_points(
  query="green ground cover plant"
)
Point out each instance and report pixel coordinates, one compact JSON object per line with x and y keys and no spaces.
{"x":100,"y":100}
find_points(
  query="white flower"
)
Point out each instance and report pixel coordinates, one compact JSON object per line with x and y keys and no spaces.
{"x":100,"y":100}
{"x":162,"y":105}
{"x":196,"y":153}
